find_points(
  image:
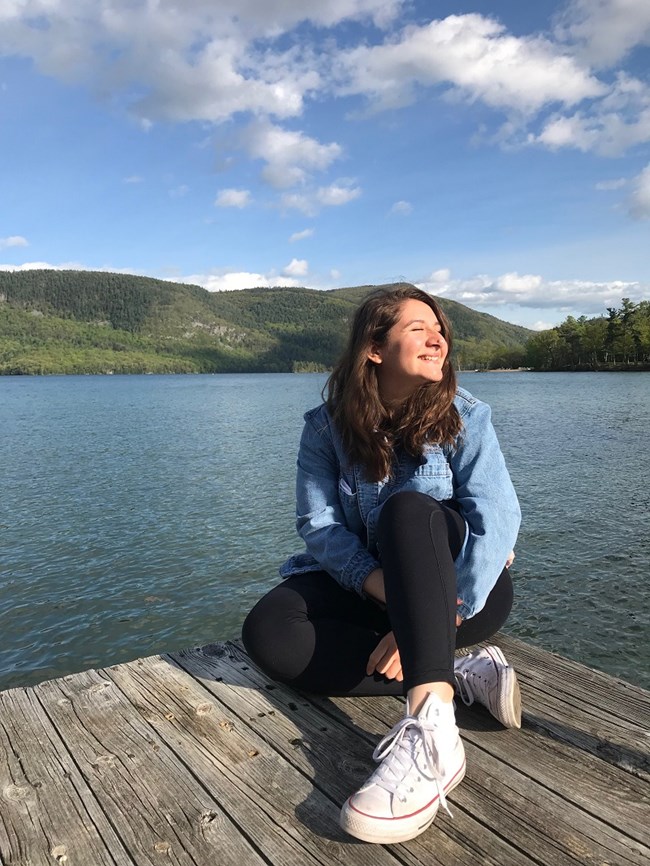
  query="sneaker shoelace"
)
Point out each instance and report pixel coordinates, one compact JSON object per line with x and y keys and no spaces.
{"x":398,"y":752}
{"x":471,"y":686}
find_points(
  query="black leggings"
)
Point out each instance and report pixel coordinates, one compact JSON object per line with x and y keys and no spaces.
{"x":311,"y":633}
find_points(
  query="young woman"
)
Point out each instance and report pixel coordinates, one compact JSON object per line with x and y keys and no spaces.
{"x":409,"y":517}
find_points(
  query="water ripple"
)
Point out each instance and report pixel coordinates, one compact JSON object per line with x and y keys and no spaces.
{"x":144,"y":514}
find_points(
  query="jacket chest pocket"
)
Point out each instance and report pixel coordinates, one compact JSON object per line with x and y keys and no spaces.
{"x":349,"y":500}
{"x":434,"y":477}
{"x":347,"y":496}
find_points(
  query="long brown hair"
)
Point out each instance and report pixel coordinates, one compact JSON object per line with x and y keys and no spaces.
{"x":371,"y":430}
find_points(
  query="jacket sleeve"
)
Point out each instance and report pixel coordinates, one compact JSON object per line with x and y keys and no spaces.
{"x":320,"y":520}
{"x":489,"y":505}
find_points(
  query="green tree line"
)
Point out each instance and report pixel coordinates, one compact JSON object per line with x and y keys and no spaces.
{"x":619,"y":340}
{"x":93,"y":322}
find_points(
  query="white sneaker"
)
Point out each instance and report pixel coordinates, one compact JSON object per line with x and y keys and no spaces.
{"x":422,"y":759}
{"x":486,"y":677}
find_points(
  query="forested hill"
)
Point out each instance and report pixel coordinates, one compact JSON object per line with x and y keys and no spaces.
{"x":95,"y":322}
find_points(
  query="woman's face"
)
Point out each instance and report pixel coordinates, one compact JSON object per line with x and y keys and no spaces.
{"x":413,"y":354}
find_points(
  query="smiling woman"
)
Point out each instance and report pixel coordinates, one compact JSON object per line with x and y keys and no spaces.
{"x":409,"y":518}
{"x":414,"y":353}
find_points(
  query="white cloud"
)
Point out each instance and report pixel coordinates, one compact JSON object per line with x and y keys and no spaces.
{"x":507,"y":292}
{"x":301,"y":236}
{"x":246,"y":62}
{"x":183,"y":59}
{"x":299,"y":201}
{"x":229,"y":281}
{"x":31,"y":266}
{"x":513,"y":283}
{"x":615,"y":183}
{"x":238,"y":198}
{"x":605,"y":133}
{"x":310,"y":203}
{"x":541,"y":325}
{"x":567,"y":132}
{"x":215,"y":281}
{"x":532,"y":290}
{"x":473,"y":58}
{"x":402,"y":208}
{"x":289,"y":155}
{"x":474,"y":55}
{"x":608,"y":126}
{"x":337,"y":194}
{"x":179,"y":191}
{"x":604,"y":31}
{"x":296,"y":268}
{"x":65,"y":266}
{"x":640,"y":199}
{"x":13,"y":241}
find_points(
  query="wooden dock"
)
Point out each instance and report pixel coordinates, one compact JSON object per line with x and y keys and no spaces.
{"x":196,"y":758}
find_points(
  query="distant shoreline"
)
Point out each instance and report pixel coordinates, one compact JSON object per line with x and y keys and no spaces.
{"x":641,"y":368}
{"x":501,"y":370}
{"x":620,"y":368}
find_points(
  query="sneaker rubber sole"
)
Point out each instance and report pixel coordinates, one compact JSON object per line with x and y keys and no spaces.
{"x":508,"y":709}
{"x":389,"y":831}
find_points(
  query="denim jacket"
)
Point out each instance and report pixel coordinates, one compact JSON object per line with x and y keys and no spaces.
{"x":337,"y":509}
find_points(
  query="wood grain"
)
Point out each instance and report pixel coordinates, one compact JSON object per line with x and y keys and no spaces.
{"x":197,"y":758}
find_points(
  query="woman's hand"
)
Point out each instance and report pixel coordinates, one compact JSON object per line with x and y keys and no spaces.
{"x":510,"y":559}
{"x":385,"y":660}
{"x":459,"y":619}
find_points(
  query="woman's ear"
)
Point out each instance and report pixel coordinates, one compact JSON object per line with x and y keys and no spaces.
{"x":374,"y":355}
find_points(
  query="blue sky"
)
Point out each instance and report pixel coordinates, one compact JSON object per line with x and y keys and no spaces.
{"x":494,"y":152}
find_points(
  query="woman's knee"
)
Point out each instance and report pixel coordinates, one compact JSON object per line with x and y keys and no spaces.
{"x":272,"y":634}
{"x":263,"y":625}
{"x":410,"y":511}
{"x":254,"y":627}
{"x":406,"y":506}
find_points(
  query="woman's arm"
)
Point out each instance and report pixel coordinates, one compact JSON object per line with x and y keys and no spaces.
{"x":489,"y":505}
{"x":320,"y":519}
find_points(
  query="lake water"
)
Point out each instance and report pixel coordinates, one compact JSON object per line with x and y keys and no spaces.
{"x":141,"y":514}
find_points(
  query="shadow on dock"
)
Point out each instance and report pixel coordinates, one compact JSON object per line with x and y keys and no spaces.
{"x":197,"y":758}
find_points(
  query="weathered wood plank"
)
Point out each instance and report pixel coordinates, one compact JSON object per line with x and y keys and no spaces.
{"x":583,"y":707}
{"x":158,"y":805}
{"x":628,"y":806}
{"x":618,"y":802}
{"x":548,"y":764}
{"x":48,"y":813}
{"x":516,"y":805}
{"x":338,"y":763}
{"x":261,"y":792}
{"x":501,"y":762}
{"x":197,"y":758}
{"x":593,"y":835}
{"x":619,"y":698}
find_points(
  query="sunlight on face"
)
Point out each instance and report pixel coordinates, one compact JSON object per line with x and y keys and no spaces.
{"x":414,"y":352}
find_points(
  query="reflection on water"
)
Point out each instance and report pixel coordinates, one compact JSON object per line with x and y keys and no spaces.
{"x":147,"y":513}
